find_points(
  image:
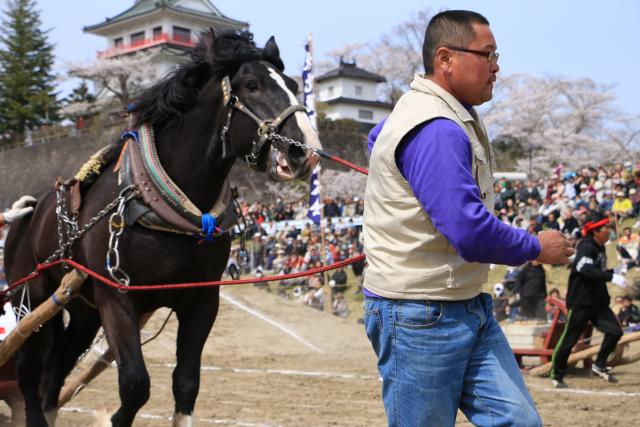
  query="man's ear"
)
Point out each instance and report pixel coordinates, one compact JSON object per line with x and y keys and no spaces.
{"x":442,"y":58}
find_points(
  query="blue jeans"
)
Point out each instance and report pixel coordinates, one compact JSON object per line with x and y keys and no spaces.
{"x":435,"y":357}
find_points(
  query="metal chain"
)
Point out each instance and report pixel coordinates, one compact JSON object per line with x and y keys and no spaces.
{"x":116,"y":228}
{"x":66,"y":226}
{"x":302,"y":145}
{"x":73,"y":234}
{"x":125,"y":195}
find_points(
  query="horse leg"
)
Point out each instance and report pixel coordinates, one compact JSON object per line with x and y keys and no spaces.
{"x":195,"y":323}
{"x":77,"y":337}
{"x":29,"y":368}
{"x":122,"y":330}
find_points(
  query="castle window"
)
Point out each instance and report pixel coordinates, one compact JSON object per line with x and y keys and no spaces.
{"x":137,"y":38}
{"x":181,"y":34}
{"x":365,"y":114}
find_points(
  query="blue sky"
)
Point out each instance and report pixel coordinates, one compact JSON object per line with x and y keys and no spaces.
{"x":566,"y":38}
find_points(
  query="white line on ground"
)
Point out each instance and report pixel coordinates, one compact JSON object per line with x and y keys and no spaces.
{"x":284,"y":372}
{"x":270,"y":321}
{"x":587,"y":392}
{"x":77,"y":409}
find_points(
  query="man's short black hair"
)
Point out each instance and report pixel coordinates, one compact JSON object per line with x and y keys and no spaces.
{"x":449,"y":28}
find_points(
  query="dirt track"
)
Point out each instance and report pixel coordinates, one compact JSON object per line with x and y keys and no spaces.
{"x":311,"y":369}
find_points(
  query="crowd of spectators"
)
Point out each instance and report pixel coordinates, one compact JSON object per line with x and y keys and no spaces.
{"x":562,"y":202}
{"x":296,"y":246}
{"x":557,"y":202}
{"x":258,"y":213}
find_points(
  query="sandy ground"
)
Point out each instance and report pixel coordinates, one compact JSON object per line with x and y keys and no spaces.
{"x":272,"y":362}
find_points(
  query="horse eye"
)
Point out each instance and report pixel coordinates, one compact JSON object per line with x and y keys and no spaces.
{"x":251,"y":85}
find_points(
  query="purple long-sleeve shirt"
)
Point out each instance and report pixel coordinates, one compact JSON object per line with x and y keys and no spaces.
{"x":435,"y":159}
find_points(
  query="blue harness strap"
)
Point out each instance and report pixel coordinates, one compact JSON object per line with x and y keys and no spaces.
{"x":208,"y":226}
{"x":55,"y":300}
{"x":132,"y":133}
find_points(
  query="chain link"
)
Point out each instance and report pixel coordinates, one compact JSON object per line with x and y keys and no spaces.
{"x":302,"y":145}
{"x":66,"y":225}
{"x":76,"y":233}
{"x":125,"y":195}
{"x":116,"y":228}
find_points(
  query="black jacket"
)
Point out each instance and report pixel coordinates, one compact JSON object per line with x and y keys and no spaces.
{"x":531,"y":281}
{"x":570,"y":225}
{"x":589,"y":276}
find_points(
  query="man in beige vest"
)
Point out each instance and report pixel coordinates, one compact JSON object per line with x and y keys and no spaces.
{"x":429,"y":235}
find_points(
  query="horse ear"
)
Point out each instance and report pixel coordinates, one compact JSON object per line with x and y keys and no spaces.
{"x":272,"y":53}
{"x":207,"y":42}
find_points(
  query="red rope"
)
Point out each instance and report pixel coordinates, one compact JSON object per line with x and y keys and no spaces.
{"x":344,"y":162}
{"x":111,"y":283}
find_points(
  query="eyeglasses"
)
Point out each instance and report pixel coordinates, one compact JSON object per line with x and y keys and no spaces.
{"x":492,"y":56}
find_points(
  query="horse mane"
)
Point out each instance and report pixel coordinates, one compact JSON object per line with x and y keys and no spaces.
{"x":214,"y":55}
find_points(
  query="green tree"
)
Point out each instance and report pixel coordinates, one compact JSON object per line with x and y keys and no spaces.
{"x":27,"y":96}
{"x":79,"y":105}
{"x":80,"y":94}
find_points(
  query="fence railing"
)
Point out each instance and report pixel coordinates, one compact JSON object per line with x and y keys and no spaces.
{"x":57,"y":132}
{"x":158,"y":39}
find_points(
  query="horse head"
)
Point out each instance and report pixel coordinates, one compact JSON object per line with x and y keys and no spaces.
{"x":264,"y":123}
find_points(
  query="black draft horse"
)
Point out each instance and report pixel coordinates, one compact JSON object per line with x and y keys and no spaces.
{"x":187,"y":112}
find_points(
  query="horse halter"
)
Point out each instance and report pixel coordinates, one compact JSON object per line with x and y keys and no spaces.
{"x":267,"y":128}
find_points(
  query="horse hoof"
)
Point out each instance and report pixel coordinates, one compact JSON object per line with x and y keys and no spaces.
{"x":181,"y":420}
{"x":102,"y":418}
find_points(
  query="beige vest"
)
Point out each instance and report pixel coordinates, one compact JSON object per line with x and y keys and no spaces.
{"x":408,"y":258}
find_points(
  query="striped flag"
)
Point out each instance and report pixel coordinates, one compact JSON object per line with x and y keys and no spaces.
{"x":315,"y":204}
{"x":308,"y":98}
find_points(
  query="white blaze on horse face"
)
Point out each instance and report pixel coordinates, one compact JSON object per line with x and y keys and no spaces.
{"x":310,"y":135}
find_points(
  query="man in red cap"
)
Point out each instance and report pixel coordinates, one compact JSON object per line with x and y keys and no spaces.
{"x":588,"y":300}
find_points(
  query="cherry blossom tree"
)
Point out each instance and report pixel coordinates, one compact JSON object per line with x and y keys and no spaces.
{"x":559,"y":120}
{"x":120,"y":78}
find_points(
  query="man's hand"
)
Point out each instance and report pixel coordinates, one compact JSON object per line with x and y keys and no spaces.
{"x":618,"y":280}
{"x":555,"y":248}
{"x":20,"y":208}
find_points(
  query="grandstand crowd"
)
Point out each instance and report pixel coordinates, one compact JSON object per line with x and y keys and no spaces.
{"x":559,"y":201}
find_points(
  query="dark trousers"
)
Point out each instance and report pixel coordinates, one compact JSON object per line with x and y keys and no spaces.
{"x":603,"y":319}
{"x":533,"y":308}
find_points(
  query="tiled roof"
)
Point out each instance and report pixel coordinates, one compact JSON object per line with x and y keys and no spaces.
{"x":349,"y":69}
{"x":144,"y":7}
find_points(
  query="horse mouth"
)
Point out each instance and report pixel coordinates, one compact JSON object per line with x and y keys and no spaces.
{"x":280,"y":170}
{"x":282,"y":166}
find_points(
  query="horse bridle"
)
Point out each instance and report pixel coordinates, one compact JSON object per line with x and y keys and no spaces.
{"x":267,"y":128}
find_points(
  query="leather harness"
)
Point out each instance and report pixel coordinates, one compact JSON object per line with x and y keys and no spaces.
{"x":162,"y":205}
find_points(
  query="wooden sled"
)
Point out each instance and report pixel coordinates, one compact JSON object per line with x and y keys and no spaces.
{"x":582,"y":352}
